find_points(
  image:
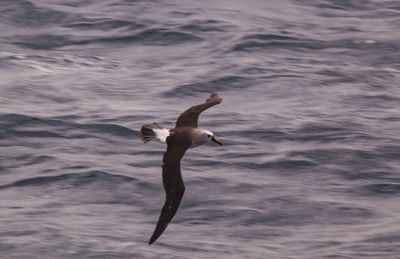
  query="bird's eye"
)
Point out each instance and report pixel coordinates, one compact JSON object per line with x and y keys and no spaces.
{"x":209,"y":136}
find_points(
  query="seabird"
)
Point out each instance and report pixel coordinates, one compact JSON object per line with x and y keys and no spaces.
{"x":185,"y":135}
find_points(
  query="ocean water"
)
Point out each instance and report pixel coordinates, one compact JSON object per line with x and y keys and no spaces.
{"x":310,"y":119}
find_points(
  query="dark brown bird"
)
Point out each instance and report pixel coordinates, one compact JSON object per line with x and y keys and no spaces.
{"x":185,"y":135}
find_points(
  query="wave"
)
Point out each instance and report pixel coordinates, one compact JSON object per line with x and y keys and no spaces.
{"x":277,"y":211}
{"x":152,"y":37}
{"x":229,"y":82}
{"x":55,"y":128}
{"x":262,"y":42}
{"x":329,"y":131}
{"x":25,"y":13}
{"x":365,"y":175}
{"x":279,"y":165}
{"x":270,"y":135}
{"x":205,"y":26}
{"x":380,"y":189}
{"x":104,"y":25}
{"x":267,"y":37}
{"x":291,"y":211}
{"x":71,"y":180}
{"x":253,"y":42}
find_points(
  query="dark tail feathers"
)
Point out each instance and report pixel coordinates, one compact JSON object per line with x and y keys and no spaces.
{"x":147,"y":133}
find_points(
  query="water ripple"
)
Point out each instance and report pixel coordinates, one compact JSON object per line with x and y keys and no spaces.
{"x":57,"y":128}
{"x":104,"y":25}
{"x":154,"y":37}
{"x":72,"y":180}
{"x":28,"y":14}
{"x":216,"y":85}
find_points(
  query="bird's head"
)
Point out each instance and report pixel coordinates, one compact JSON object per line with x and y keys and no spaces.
{"x":208,"y":136}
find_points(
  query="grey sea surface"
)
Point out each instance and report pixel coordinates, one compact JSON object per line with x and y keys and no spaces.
{"x":310,"y":120}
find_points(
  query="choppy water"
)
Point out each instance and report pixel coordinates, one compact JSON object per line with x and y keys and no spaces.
{"x":310,"y":121}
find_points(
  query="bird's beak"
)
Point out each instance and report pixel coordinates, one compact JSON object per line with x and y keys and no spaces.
{"x":214,"y":139}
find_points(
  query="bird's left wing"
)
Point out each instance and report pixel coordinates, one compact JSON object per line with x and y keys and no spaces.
{"x":173,"y":185}
{"x":190,"y":117}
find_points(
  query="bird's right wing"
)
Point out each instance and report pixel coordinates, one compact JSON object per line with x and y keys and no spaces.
{"x":173,"y":185}
{"x":190,"y":117}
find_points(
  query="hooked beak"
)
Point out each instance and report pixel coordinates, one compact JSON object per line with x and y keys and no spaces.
{"x":214,"y":139}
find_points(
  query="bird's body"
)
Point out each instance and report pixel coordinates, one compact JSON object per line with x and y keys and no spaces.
{"x":185,"y":135}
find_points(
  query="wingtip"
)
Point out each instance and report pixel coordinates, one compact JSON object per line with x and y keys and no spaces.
{"x":157,"y":233}
{"x":153,"y":238}
{"x":216,"y":97}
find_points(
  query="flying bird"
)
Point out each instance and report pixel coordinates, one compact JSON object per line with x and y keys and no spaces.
{"x":185,"y":135}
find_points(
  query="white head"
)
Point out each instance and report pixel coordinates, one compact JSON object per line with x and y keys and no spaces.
{"x":202,"y":136}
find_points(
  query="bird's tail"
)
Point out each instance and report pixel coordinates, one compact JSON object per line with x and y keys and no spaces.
{"x":154,"y":131}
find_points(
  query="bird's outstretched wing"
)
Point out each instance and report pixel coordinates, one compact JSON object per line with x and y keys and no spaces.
{"x":173,"y":185}
{"x":190,"y":117}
